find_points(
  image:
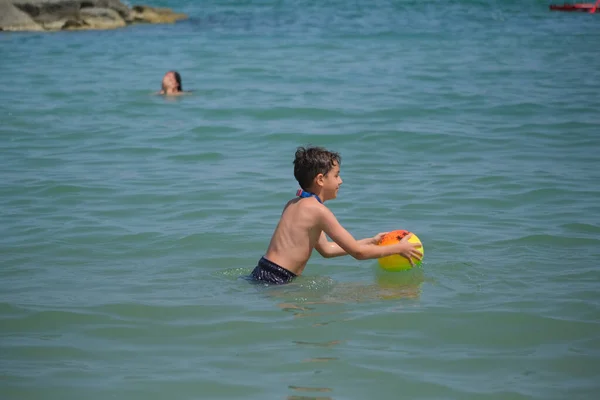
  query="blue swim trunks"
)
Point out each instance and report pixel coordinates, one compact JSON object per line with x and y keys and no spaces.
{"x":269,"y":272}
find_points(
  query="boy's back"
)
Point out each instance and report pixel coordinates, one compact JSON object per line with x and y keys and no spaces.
{"x":296,"y":234}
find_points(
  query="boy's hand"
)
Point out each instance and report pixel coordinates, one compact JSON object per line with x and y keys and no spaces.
{"x":410,"y":250}
{"x":375,"y":239}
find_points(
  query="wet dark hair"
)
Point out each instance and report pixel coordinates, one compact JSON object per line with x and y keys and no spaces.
{"x":178,"y":80}
{"x":312,"y":161}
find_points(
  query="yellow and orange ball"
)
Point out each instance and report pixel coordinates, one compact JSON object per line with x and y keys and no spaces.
{"x":396,"y":262}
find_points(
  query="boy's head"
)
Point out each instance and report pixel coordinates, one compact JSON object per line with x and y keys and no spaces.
{"x":310,"y":162}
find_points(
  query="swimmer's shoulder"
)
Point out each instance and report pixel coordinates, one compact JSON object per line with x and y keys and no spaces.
{"x":183,"y":93}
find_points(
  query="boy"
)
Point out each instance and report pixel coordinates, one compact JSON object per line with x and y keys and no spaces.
{"x":306,"y":220}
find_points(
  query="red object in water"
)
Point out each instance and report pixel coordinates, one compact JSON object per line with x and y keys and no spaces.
{"x":581,"y":7}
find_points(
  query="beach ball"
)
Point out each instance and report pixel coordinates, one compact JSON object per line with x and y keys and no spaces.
{"x":396,"y":262}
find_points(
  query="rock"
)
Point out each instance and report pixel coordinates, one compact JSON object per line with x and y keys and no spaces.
{"x":54,"y":13}
{"x":101,"y":18}
{"x":52,"y":10}
{"x":95,"y":18}
{"x":155,"y":15}
{"x":49,"y":13}
{"x":13,"y":19}
{"x":78,"y":14}
{"x":116,"y":5}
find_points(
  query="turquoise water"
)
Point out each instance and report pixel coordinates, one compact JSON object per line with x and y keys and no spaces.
{"x":127,"y":219}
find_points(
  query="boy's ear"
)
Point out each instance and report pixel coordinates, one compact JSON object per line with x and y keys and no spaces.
{"x":320,"y":179}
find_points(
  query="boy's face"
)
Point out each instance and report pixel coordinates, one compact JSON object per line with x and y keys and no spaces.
{"x":332,"y":182}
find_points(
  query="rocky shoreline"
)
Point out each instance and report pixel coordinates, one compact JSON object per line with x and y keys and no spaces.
{"x":56,"y":15}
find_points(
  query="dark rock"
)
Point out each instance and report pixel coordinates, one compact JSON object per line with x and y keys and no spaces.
{"x":155,"y":15}
{"x":13,"y":19}
{"x":78,"y":14}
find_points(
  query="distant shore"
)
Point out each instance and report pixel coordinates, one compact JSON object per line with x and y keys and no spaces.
{"x":56,"y":15}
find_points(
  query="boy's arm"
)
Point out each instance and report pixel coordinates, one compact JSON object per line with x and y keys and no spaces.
{"x":329,"y":249}
{"x":363,"y":251}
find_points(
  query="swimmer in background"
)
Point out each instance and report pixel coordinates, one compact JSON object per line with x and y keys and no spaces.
{"x":306,"y":221}
{"x":171,"y":84}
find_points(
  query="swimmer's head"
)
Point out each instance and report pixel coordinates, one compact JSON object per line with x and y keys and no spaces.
{"x":312,"y":161}
{"x":177,"y":80}
{"x":171,"y":82}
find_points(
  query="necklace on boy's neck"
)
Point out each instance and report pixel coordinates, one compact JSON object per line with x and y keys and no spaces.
{"x":302,"y":193}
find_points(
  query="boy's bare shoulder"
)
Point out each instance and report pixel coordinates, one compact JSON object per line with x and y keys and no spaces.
{"x":290,"y":202}
{"x":308,"y":204}
{"x":312,"y":207}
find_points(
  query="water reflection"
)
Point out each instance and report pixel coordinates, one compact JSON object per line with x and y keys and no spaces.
{"x":311,"y":297}
{"x":309,"y":389}
{"x":302,"y":295}
{"x":321,"y":359}
{"x":330,"y":343}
